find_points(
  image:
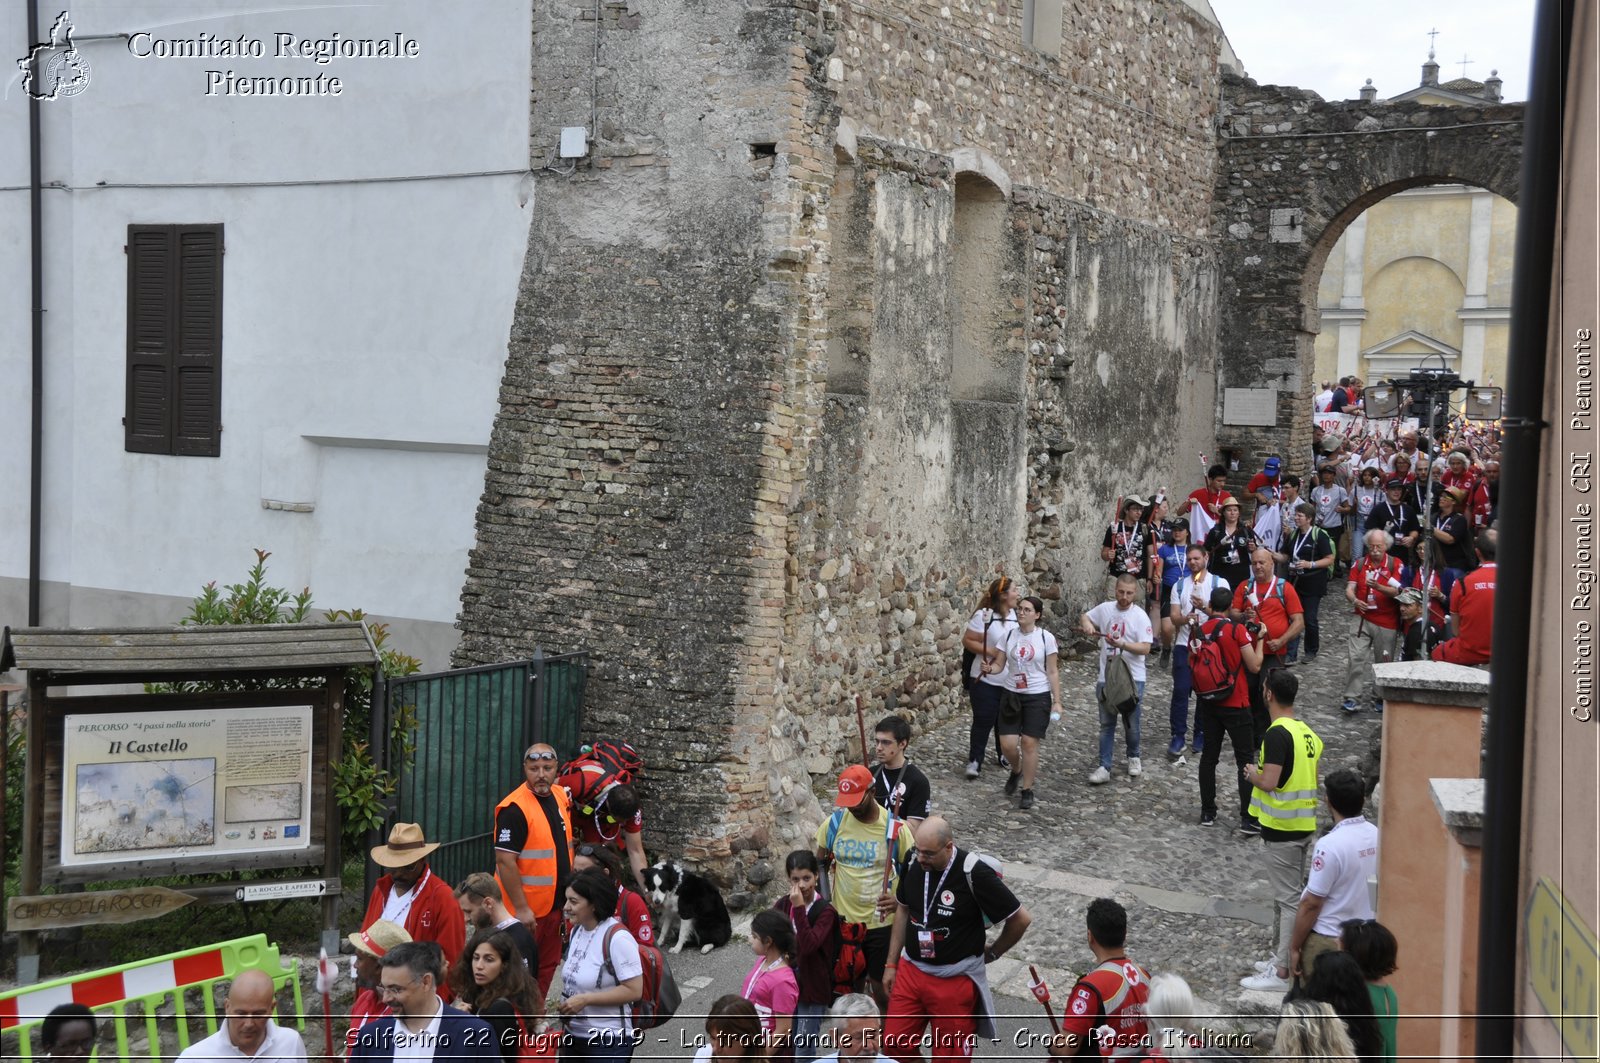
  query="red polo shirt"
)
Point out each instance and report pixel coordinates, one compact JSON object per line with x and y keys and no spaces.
{"x":1273,"y":610}
{"x":1367,"y":577}
{"x":1472,"y":600}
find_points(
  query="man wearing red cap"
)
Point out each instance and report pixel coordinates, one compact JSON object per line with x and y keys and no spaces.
{"x":859,"y":840}
{"x":410,"y":894}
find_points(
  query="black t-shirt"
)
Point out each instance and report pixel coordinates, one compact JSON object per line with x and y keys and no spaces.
{"x":523,"y":939}
{"x":1399,"y":521}
{"x":1459,"y":553}
{"x":917,"y":802}
{"x":954,"y":915}
{"x":1230,"y":554}
{"x":502,"y":1019}
{"x":1279,"y":749}
{"x":1127,"y":543}
{"x":1313,"y":544}
{"x":511,"y":834}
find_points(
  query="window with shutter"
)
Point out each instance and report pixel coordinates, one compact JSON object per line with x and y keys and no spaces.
{"x":174,"y":387}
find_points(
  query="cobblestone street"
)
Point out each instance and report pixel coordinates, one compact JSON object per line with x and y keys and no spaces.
{"x":1197,"y":902}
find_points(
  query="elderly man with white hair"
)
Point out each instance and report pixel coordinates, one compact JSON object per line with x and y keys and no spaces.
{"x":854,"y":1027}
{"x":1374,"y":585}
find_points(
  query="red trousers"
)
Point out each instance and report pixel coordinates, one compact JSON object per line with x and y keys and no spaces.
{"x":547,"y":935}
{"x":919,"y":1000}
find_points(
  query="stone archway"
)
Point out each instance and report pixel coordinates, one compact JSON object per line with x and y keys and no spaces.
{"x":1293,"y":172}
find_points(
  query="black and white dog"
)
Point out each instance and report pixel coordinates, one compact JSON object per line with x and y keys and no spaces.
{"x":691,"y":903}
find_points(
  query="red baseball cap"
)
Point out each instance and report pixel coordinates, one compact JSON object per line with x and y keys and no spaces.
{"x":855,"y":782}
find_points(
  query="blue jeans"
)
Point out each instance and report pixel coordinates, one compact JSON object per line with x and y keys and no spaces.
{"x":1182,"y":684}
{"x":985,"y":714}
{"x":807,"y":1036}
{"x":1108,"y":723}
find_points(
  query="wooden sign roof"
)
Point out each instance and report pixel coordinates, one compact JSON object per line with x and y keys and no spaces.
{"x":88,"y":654}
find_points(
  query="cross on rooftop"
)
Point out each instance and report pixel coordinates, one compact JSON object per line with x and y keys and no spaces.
{"x":1431,"y":35}
{"x":1465,"y":62}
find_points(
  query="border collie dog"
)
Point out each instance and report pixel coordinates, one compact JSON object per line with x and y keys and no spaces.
{"x":690,"y":902}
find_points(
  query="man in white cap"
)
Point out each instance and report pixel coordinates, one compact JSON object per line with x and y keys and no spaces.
{"x":371,"y":945}
{"x":410,"y":895}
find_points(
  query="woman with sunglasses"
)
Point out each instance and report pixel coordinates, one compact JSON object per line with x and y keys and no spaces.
{"x":633,"y":911}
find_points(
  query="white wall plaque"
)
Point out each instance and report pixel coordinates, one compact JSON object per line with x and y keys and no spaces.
{"x":1250,"y":406}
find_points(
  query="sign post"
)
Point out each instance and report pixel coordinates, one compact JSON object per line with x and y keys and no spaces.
{"x":92,"y":908}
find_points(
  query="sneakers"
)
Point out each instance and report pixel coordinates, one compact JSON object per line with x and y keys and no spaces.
{"x":1000,"y":759}
{"x":1208,"y":819}
{"x":1309,"y":658}
{"x":1011,"y":782}
{"x":1264,"y":966}
{"x":1251,"y":828}
{"x":1350,"y":706}
{"x":1377,"y":707}
{"x":1265,"y":982}
{"x":1099,"y":777}
{"x":972,"y":769}
{"x":1135,"y":767}
{"x":1027,"y":800}
{"x":1175,"y":747}
{"x":1198,"y":746}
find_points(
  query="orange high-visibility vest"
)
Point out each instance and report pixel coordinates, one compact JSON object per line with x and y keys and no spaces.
{"x":536,"y":863}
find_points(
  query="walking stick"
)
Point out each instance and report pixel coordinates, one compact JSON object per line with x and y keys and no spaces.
{"x":861,"y":723}
{"x":1041,"y":993}
{"x":325,"y":976}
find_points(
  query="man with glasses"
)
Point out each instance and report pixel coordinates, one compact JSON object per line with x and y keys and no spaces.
{"x":533,"y":855}
{"x":247,"y":1030}
{"x":937,"y":949}
{"x":855,"y":1029}
{"x":897,"y":784}
{"x":421,"y":1027}
{"x":412,"y":896}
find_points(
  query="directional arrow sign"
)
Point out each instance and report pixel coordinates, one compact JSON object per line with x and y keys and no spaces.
{"x":92,"y":908}
{"x":272,"y":891}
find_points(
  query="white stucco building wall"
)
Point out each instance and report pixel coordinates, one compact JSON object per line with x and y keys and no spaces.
{"x":374,"y":242}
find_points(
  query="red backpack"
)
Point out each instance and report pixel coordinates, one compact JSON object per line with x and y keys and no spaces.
{"x":620,"y":761}
{"x":661,"y":997}
{"x":1214,"y":662}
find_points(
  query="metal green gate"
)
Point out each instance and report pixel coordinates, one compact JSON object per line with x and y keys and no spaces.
{"x":472,"y":725}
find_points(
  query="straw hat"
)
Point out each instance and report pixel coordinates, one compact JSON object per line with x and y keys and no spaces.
{"x":406,"y":846}
{"x":379,"y":938}
{"x":1225,"y":501}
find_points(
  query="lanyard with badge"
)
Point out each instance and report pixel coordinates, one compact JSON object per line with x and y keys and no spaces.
{"x":925,"y":944}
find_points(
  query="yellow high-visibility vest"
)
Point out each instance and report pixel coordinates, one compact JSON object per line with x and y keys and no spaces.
{"x":1293,"y":806}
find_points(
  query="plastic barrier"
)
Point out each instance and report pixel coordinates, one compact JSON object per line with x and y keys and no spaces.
{"x":149,"y":984}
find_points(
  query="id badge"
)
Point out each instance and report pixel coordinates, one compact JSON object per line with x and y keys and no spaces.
{"x":925,"y":943}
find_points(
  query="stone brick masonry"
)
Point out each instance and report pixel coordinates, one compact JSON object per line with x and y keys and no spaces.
{"x":851,"y":307}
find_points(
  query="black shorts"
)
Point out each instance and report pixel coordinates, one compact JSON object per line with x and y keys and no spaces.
{"x":876,"y":949}
{"x":1166,"y":599}
{"x":1034,"y":720}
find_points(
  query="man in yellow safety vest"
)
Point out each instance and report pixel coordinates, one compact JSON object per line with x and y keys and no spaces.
{"x":1284,"y":802}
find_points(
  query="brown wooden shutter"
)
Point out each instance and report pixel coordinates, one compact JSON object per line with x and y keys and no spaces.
{"x":174,"y":392}
{"x":197,"y":424}
{"x":147,"y":425}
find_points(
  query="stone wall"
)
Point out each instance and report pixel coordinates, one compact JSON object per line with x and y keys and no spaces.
{"x":1121,"y":119}
{"x":782,"y":395}
{"x":1294,"y":171}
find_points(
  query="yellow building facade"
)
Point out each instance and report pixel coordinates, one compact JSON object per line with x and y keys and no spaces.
{"x":1422,"y":276}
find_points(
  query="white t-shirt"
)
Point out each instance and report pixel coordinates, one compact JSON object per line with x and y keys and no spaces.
{"x":1323,"y":400}
{"x":1025,"y":660}
{"x":585,"y":971}
{"x":1124,"y":625}
{"x":1185,"y":589}
{"x":1344,"y":859}
{"x":1328,"y":500}
{"x":996,"y":637}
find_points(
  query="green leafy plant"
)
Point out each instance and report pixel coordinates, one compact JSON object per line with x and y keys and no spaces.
{"x":362,"y":787}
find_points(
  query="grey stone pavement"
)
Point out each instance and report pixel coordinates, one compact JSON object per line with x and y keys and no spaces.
{"x":1197,"y":903}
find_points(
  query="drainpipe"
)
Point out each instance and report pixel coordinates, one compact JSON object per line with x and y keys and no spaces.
{"x":36,"y":221}
{"x":1522,"y":428}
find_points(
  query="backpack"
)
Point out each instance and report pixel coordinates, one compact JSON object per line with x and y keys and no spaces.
{"x":1120,"y":692}
{"x":660,"y":999}
{"x":1214,"y":663}
{"x":622,"y":764}
{"x":971,"y":861}
{"x":967,"y":656}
